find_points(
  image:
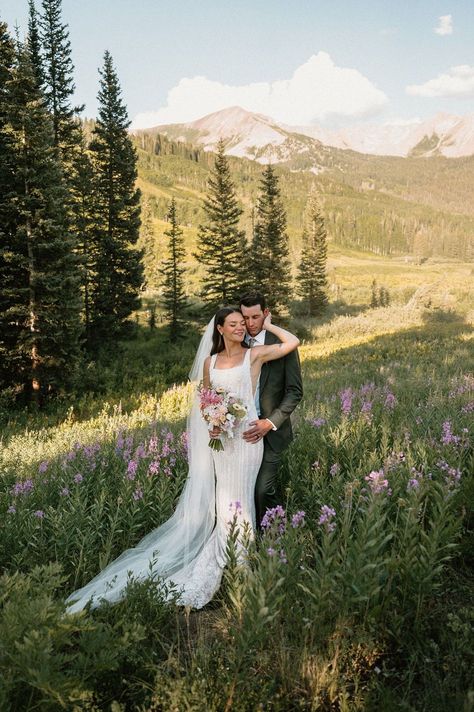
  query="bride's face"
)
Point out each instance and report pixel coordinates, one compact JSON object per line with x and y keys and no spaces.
{"x":233,"y":328}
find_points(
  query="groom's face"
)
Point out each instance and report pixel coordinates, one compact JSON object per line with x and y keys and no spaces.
{"x":254,"y":318}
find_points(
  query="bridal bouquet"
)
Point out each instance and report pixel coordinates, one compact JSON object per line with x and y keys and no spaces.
{"x":220,"y":409}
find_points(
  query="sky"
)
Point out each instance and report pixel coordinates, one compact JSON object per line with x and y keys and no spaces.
{"x":329,"y":62}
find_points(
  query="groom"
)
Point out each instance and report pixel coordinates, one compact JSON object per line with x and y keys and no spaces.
{"x":278,"y":392}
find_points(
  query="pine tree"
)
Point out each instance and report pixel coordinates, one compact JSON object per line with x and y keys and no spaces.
{"x":34,"y":42}
{"x":82,"y":219}
{"x":270,"y":263}
{"x":118,"y":272}
{"x":59,"y":85}
{"x":13,"y":275}
{"x":147,"y":242}
{"x":220,"y":242}
{"x":174,"y":299}
{"x":47,"y":299}
{"x":311,"y":279}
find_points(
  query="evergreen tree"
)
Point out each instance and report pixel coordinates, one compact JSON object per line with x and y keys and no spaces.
{"x":117,"y":267}
{"x":220,"y":242}
{"x":174,"y":299}
{"x":311,"y":279}
{"x":59,"y":80}
{"x":13,"y":275}
{"x":34,"y":42}
{"x":46,"y":300}
{"x":270,"y":263}
{"x":151,"y":269}
{"x":82,"y":219}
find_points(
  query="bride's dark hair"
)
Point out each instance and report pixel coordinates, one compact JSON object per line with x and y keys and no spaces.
{"x":219,"y":319}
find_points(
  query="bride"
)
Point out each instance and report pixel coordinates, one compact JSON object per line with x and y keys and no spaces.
{"x":188,"y":550}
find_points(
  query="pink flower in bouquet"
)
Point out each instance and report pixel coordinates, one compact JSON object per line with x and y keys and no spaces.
{"x":222,"y":410}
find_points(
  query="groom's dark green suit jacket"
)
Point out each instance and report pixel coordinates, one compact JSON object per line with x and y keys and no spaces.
{"x":281,"y":389}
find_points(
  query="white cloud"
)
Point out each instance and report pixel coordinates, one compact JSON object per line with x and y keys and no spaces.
{"x":445,"y":26}
{"x":457,"y":81}
{"x":318,"y":90}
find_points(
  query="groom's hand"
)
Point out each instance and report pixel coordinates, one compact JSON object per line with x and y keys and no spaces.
{"x":258,"y":429}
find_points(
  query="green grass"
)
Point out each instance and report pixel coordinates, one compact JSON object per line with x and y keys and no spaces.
{"x":374,"y":615}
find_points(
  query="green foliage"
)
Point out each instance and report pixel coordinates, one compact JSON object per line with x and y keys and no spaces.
{"x":372,"y":614}
{"x":220,"y":243}
{"x":174,"y":299}
{"x":117,"y":268}
{"x":57,"y":72}
{"x":270,"y":267}
{"x":42,"y":310}
{"x":312,"y":280}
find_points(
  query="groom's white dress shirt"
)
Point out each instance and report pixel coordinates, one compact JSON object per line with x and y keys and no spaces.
{"x":258,"y":340}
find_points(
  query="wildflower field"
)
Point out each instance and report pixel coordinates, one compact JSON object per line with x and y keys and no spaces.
{"x":360,"y":593}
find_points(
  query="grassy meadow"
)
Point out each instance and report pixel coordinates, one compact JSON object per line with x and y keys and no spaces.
{"x":364,"y":602}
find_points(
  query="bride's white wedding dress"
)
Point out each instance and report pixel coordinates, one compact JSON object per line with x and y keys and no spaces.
{"x":189,"y":549}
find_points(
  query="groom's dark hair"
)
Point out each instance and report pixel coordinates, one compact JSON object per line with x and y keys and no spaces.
{"x":251,"y":299}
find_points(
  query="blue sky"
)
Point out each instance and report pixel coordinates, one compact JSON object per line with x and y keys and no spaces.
{"x":306,"y":61}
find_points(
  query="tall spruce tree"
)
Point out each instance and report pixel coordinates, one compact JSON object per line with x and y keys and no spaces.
{"x":311,"y":279}
{"x":46,"y":301}
{"x":34,"y":42}
{"x":151,"y":269}
{"x":58,"y":71}
{"x":81,"y":187}
{"x":118,"y":272}
{"x":270,"y":263}
{"x":13,"y":275}
{"x":174,"y":298}
{"x":220,"y":245}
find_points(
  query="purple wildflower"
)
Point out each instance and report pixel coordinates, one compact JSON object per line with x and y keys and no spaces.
{"x":283,"y":558}
{"x":152,"y":444}
{"x":138,"y":494}
{"x":297,"y":519}
{"x":318,"y":422}
{"x":65,"y":492}
{"x":390,"y":401}
{"x":39,"y":514}
{"x":140,"y":452}
{"x":131,"y":470}
{"x":448,"y":438}
{"x":334,"y":469}
{"x":11,"y":509}
{"x":78,"y":478}
{"x":468,"y":408}
{"x":235,"y":507}
{"x":326,"y":518}
{"x":413,"y":484}
{"x":271,"y":551}
{"x":24,"y":487}
{"x":277,"y":515}
{"x":154,"y":467}
{"x":43,"y":466}
{"x":346,"y":397}
{"x":377,"y":482}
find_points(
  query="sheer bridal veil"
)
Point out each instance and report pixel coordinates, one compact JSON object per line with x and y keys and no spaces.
{"x":176,"y":542}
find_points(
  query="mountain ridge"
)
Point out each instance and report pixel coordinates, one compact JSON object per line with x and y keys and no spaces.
{"x":258,"y":137}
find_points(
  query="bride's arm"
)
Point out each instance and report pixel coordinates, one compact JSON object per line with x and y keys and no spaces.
{"x":205,"y":373}
{"x":289,"y":343}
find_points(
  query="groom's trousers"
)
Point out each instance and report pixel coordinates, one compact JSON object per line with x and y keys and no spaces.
{"x":267,"y":493}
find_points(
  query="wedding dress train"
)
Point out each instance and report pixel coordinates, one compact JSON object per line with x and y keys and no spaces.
{"x":189,"y":549}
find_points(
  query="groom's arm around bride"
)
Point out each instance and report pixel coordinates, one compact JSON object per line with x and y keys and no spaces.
{"x":279,"y":391}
